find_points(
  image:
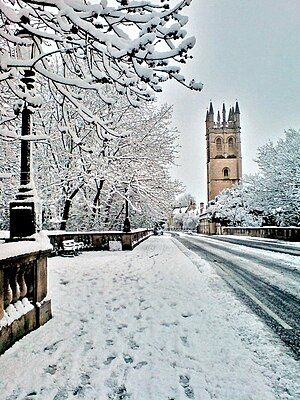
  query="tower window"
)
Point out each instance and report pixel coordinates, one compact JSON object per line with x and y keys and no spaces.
{"x":226,"y":173}
{"x":219,"y":144}
{"x":230,"y":143}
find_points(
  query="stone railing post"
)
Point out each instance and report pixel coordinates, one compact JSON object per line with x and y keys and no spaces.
{"x":14,"y":284}
{"x":40,"y":279}
{"x":127,"y":241}
{"x":22,"y":283}
{"x":7,"y":291}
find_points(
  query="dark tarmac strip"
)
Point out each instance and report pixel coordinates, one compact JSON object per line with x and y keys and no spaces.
{"x":278,"y":308}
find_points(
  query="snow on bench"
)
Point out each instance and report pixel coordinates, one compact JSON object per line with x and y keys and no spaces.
{"x":70,"y":247}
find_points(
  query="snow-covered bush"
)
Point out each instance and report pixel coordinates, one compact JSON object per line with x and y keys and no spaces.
{"x":234,"y":207}
{"x":278,"y":185}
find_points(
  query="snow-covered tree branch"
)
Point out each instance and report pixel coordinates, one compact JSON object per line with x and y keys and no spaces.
{"x":132,"y":46}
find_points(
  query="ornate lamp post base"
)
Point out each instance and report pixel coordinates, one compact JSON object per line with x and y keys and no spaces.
{"x":126,"y":226}
{"x":25,"y":218}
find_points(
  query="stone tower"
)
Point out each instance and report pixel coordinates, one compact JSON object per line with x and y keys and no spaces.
{"x":223,"y":143}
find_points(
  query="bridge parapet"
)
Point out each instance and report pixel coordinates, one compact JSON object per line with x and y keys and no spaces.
{"x":24,"y":305}
{"x":269,"y":232}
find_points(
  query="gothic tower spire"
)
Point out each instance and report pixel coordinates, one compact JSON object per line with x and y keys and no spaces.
{"x":237,"y":113}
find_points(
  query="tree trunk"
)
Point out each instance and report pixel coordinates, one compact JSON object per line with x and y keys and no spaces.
{"x":97,"y":197}
{"x":67,"y":207}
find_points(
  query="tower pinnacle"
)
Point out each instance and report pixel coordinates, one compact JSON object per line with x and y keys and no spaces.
{"x":224,"y":114}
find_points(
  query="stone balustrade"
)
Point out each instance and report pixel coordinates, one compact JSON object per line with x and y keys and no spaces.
{"x":23,"y":291}
{"x":270,"y":232}
{"x":100,"y":240}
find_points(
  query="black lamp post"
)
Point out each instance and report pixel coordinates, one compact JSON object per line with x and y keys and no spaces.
{"x":25,"y":211}
{"x":126,"y":225}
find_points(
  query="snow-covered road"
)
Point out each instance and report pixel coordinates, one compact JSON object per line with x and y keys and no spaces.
{"x":151,"y":324}
{"x":268,"y":281}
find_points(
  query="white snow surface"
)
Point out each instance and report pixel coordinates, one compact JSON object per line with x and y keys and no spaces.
{"x":39,"y":242}
{"x":156,"y":323}
{"x":15,"y":311}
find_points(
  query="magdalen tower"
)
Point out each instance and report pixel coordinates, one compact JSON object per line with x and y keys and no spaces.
{"x":223,"y":143}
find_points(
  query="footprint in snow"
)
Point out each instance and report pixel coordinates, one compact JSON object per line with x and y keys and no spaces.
{"x":186,"y":315}
{"x":184,"y":381}
{"x":88,"y":346}
{"x":133,"y":345}
{"x":82,"y":332}
{"x":63,"y":282}
{"x":140,"y":364}
{"x":184,"y":340}
{"x":119,"y":393}
{"x":153,"y":255}
{"x":51,"y":369}
{"x":52,"y":348}
{"x":109,"y":360}
{"x":122,"y":326}
{"x":128,"y":359}
{"x":82,"y":391}
{"x":28,"y":396}
{"x":169,"y":324}
{"x":85,"y":379}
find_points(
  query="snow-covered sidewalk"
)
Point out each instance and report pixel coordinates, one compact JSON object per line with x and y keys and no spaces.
{"x":155,"y":323}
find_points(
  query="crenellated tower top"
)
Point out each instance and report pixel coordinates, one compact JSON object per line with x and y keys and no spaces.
{"x":233,"y":120}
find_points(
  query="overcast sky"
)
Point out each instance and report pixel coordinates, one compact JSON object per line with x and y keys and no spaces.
{"x":247,"y":50}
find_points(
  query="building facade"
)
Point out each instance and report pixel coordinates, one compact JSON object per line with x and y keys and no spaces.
{"x":224,"y":157}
